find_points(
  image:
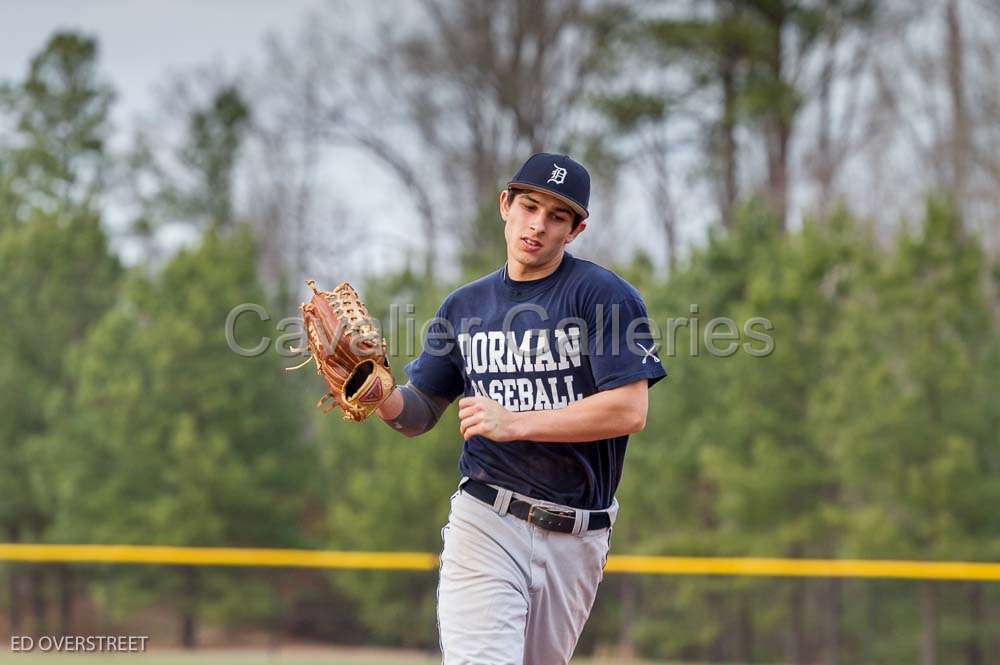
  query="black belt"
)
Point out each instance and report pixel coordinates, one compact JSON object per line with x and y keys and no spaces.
{"x":553,"y":519}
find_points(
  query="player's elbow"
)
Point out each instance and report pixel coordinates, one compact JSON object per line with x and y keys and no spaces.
{"x":637,"y":411}
{"x":414,"y":433}
{"x":637,"y":423}
{"x":415,"y":412}
{"x":630,"y":407}
{"x":411,"y":430}
{"x":633,"y":419}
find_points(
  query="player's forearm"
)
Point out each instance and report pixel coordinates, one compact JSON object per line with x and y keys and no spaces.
{"x":409,"y":411}
{"x":392,"y":406}
{"x":603,"y":415}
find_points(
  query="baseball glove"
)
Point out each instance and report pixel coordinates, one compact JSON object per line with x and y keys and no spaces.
{"x":348,"y":351}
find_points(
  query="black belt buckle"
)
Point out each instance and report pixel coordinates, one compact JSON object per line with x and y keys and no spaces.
{"x":553,"y":519}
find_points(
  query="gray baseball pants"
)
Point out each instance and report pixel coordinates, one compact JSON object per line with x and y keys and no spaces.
{"x":510,"y":592}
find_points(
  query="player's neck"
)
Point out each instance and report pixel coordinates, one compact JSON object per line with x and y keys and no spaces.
{"x":523,"y":273}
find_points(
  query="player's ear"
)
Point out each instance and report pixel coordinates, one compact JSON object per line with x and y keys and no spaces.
{"x":504,"y":204}
{"x":575,"y":232}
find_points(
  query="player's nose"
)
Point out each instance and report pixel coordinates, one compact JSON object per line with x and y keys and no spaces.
{"x":537,"y":222}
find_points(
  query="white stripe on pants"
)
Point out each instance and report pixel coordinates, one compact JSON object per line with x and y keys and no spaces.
{"x":512,"y":593}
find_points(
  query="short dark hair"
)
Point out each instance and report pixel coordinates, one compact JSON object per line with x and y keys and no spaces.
{"x":512,"y":193}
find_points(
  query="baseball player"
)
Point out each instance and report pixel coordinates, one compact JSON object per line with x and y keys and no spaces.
{"x":552,"y":358}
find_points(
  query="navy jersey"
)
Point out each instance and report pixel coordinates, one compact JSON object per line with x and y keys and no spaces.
{"x":537,"y":345}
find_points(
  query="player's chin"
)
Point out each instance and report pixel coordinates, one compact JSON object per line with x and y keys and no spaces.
{"x":537,"y":258}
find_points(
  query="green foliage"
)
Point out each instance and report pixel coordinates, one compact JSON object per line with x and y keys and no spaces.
{"x":907,"y":409}
{"x":733,"y":65}
{"x":388,"y":493}
{"x":169,"y":422}
{"x":58,"y":158}
{"x":870,"y":430}
{"x":632,"y":108}
{"x":215,"y":135}
{"x":165,"y":436}
{"x":196,"y":187}
{"x":59,"y":278}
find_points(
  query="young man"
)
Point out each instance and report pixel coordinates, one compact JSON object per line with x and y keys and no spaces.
{"x":553,"y":359}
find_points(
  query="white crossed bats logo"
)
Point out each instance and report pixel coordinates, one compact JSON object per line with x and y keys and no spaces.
{"x":648,"y":353}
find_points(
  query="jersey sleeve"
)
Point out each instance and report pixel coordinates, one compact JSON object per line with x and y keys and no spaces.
{"x":623,"y":349}
{"x":438,"y":370}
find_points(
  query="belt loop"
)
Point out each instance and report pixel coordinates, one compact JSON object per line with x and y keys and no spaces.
{"x":502,"y":502}
{"x":581,"y":521}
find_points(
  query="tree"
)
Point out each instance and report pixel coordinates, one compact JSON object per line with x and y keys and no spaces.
{"x":769,"y":461}
{"x":52,"y":175}
{"x":462,"y":93}
{"x":904,"y":410}
{"x":668,"y":475}
{"x":210,"y":150}
{"x":59,"y":277}
{"x":167,"y":423}
{"x":378,"y":486}
{"x":748,"y":59}
{"x":645,"y":120}
{"x":712,"y":50}
{"x":195,"y":184}
{"x":59,"y":154}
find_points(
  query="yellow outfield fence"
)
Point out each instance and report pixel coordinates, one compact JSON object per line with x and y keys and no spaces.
{"x":648,"y":565}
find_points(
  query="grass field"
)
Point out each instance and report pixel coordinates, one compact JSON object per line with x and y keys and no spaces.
{"x":227,"y":657}
{"x":235,"y":657}
{"x":220,"y":657}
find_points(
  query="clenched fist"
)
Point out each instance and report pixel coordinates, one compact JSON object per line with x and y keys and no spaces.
{"x":481,"y":416}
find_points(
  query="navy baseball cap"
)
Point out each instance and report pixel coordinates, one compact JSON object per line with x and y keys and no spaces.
{"x":557,"y":175}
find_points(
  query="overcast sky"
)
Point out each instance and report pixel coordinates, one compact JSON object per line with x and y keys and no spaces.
{"x":142,"y":42}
